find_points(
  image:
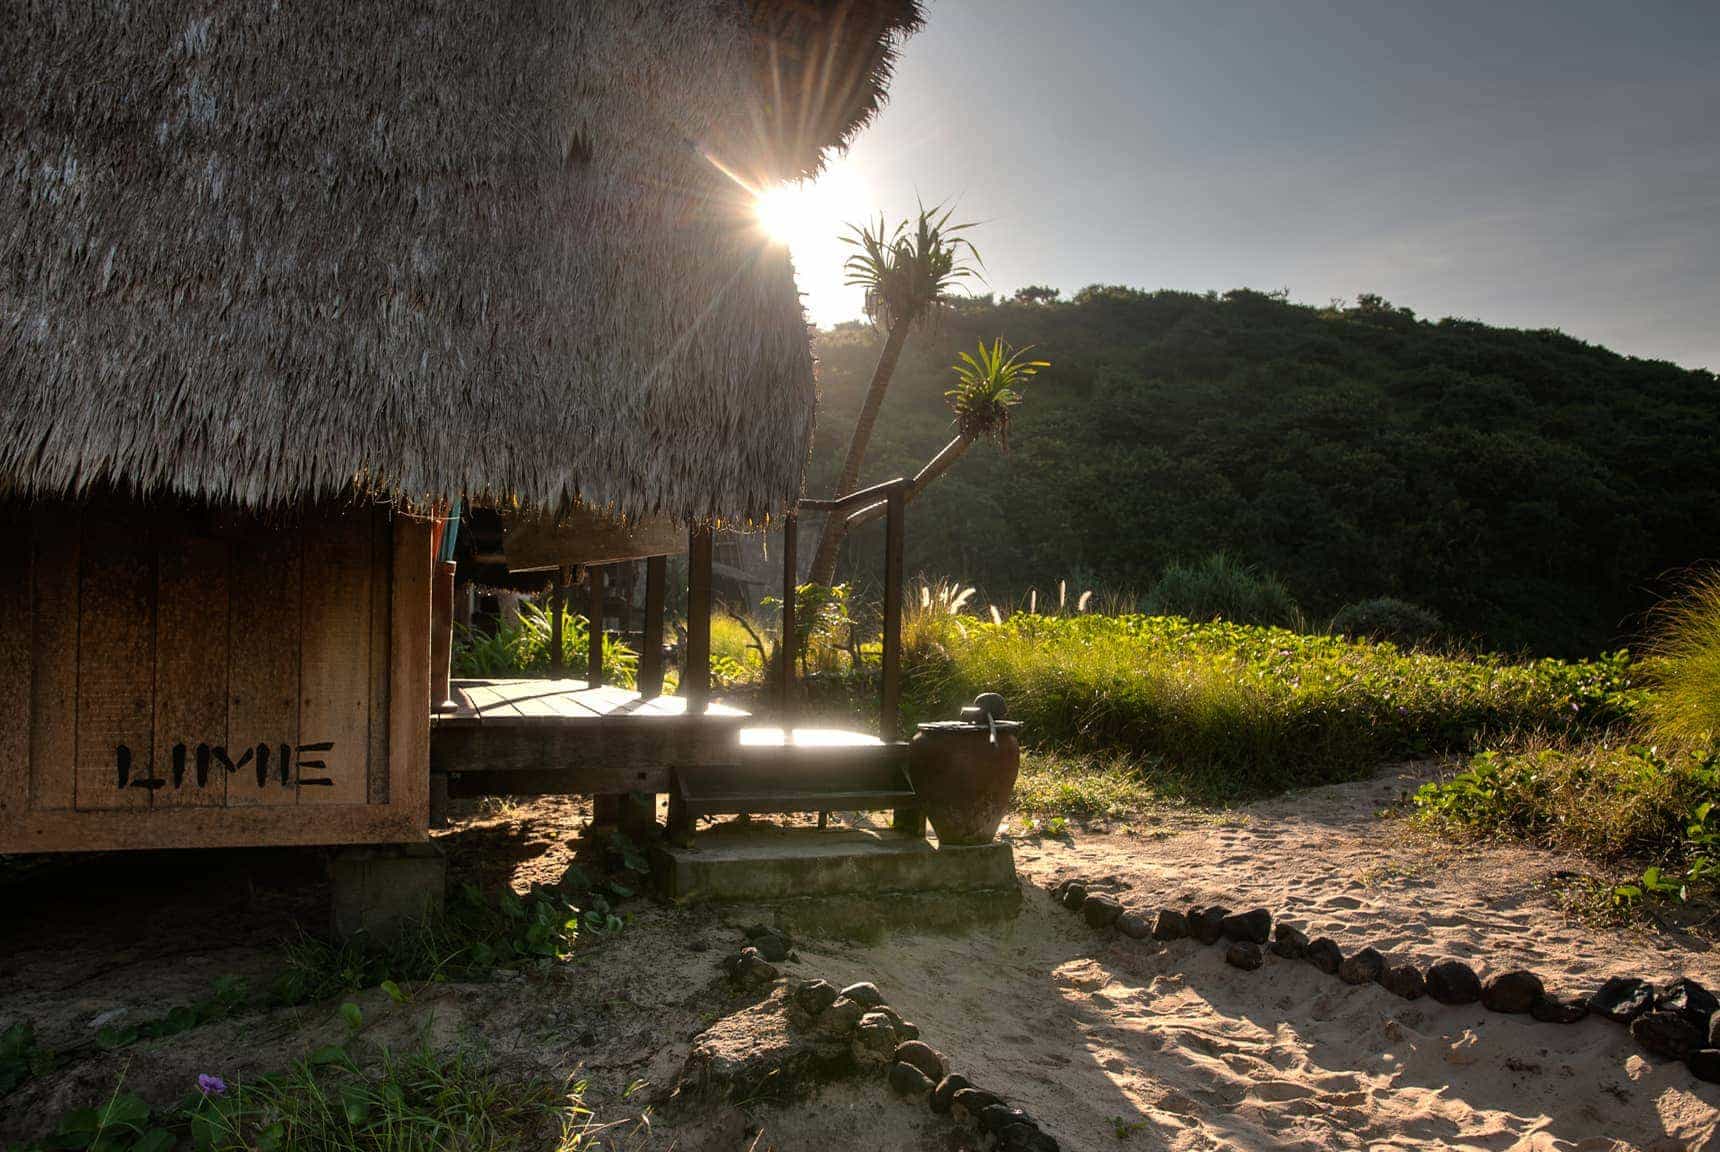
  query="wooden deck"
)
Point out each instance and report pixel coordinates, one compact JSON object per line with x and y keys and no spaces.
{"x":535,"y":737}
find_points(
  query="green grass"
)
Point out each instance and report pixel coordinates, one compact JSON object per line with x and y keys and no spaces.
{"x":418,"y":1101}
{"x":1654,"y":801}
{"x":524,"y":647}
{"x":1220,"y":712}
{"x":1088,"y":787}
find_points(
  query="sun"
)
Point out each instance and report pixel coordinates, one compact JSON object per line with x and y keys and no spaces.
{"x":784,"y":212}
{"x":809,"y":218}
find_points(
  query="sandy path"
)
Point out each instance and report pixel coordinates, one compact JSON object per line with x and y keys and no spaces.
{"x":1090,"y":1032}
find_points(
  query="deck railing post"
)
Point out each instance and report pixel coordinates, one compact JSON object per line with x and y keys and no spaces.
{"x":790,"y":641}
{"x":696,"y":675}
{"x":651,"y":658}
{"x":890,"y":722}
{"x":557,"y":605}
{"x":594,"y":627}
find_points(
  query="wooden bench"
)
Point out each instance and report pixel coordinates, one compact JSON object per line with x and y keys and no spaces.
{"x":808,"y":770}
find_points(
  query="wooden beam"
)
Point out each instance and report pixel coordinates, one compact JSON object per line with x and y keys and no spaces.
{"x":890,"y":721}
{"x":594,"y":626}
{"x":786,"y":645}
{"x":583,"y":536}
{"x":557,"y":603}
{"x":651,"y":659}
{"x":696,"y":670}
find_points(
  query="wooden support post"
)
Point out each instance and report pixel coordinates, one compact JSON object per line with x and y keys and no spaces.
{"x":651,"y":658}
{"x":594,"y":627}
{"x":441,"y":634}
{"x":890,"y":722}
{"x":696,"y":675}
{"x":788,"y":643}
{"x":557,"y":603}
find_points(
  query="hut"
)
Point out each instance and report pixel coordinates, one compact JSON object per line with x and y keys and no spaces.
{"x":279,"y":283}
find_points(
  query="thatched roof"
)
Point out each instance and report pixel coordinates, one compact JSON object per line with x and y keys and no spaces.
{"x":262,"y":253}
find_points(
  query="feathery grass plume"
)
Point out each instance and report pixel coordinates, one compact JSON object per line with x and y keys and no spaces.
{"x":1086,"y":598}
{"x":996,"y":616}
{"x":1062,"y":595}
{"x":1684,"y":709}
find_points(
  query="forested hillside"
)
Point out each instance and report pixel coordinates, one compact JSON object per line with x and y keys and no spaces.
{"x":1534,"y":490}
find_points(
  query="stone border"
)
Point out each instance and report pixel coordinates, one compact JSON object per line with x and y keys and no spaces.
{"x":880,"y":1041}
{"x":1679,"y":1022}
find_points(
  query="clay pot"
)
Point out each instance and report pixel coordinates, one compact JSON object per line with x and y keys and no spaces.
{"x":964,"y":778}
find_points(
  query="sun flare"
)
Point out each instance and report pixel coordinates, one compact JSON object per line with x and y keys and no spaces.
{"x":809,"y":217}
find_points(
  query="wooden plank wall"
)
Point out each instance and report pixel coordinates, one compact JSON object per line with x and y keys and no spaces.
{"x":166,"y":661}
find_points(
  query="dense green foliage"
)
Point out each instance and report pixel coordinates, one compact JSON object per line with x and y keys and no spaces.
{"x":1218,"y":588}
{"x":1658,"y":800}
{"x":523,"y":647}
{"x":1527,"y":487}
{"x":1221,"y":711}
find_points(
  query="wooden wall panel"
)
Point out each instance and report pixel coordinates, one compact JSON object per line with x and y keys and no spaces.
{"x":15,"y":675}
{"x":334,"y":668}
{"x":116,"y":662}
{"x":54,"y":657}
{"x":263,"y":684}
{"x":381,"y":596}
{"x":409,"y":674}
{"x":192,"y":745}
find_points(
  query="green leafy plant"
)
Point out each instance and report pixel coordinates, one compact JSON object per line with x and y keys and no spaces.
{"x":523,"y":648}
{"x":20,"y":1056}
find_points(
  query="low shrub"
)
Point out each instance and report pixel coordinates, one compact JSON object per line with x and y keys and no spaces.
{"x":1219,"y":588}
{"x":1388,"y":618}
{"x":1684,"y":668}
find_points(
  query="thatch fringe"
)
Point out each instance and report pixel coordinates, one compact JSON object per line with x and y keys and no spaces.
{"x":264,"y":253}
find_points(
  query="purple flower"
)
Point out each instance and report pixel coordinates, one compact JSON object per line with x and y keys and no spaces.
{"x":211,"y":1085}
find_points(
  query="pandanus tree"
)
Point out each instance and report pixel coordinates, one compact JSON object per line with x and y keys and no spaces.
{"x":907,"y":274}
{"x":988,"y":385}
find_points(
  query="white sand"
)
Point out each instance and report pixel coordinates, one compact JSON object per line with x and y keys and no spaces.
{"x":1087,"y":1031}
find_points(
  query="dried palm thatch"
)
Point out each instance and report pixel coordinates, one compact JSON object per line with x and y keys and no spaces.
{"x":268,"y":253}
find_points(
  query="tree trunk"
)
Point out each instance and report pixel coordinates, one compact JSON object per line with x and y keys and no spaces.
{"x":835,"y":526}
{"x":935,"y":467}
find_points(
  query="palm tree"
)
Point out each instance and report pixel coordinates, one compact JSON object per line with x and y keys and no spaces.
{"x":987,"y":387}
{"x":907,"y":277}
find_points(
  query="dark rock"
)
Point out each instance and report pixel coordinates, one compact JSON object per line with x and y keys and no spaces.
{"x":1059,"y":889}
{"x":1289,"y":941}
{"x":1169,"y":924}
{"x":842,"y":1017}
{"x":1101,"y":911}
{"x":910,"y":1081}
{"x":1687,"y":996}
{"x":1074,"y":895}
{"x":1512,"y":991}
{"x":772,"y":945}
{"x":1714,"y":1030}
{"x":997,"y":1117}
{"x":966,"y":1104}
{"x":815,"y":996}
{"x":752,"y":968}
{"x":1024,"y":1138}
{"x":1325,"y":955}
{"x":1134,"y":926}
{"x":864,"y":994}
{"x":1705,"y":1064}
{"x":1365,"y":967}
{"x":874,"y":1040}
{"x":924,"y":1057}
{"x":1207,"y":925}
{"x":1550,"y":1010}
{"x":1254,"y":925}
{"x":947,"y":1088}
{"x":1622,"y":998}
{"x":1669,"y":1034}
{"x":904,"y":1030}
{"x":1404,"y":980}
{"x":1244,"y":954}
{"x":1451,"y":981}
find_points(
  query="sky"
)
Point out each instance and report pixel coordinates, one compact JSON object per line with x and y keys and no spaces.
{"x":1527,"y":164}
